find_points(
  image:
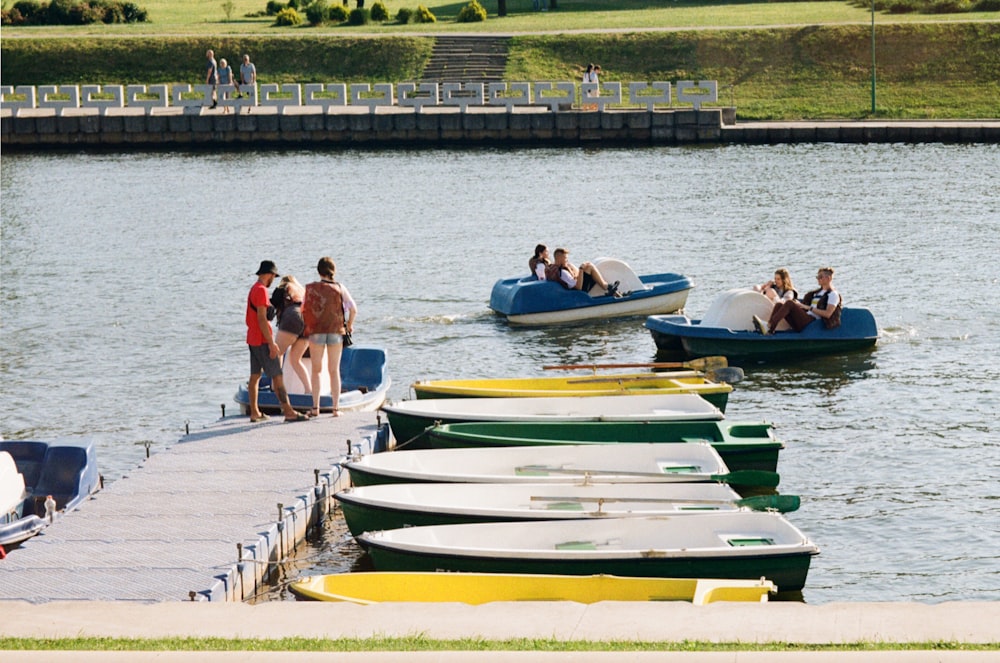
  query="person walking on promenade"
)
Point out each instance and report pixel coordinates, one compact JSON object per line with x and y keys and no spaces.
{"x":248,"y":79}
{"x":226,"y":78}
{"x":212,"y":75}
{"x":264,"y":355}
{"x":328,"y":311}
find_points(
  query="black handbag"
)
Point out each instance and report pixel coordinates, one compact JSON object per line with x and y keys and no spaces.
{"x":348,"y":341}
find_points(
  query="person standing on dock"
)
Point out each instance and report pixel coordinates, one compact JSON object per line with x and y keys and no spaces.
{"x":264,"y":353}
{"x":212,"y":74}
{"x":328,"y":311}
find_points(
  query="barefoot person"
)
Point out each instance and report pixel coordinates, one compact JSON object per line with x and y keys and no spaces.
{"x":264,"y":354}
{"x":328,"y":311}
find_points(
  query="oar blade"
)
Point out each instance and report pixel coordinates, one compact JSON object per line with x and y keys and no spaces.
{"x":706,"y":364}
{"x":757,"y":478}
{"x":729,"y":375}
{"x":780,"y":503}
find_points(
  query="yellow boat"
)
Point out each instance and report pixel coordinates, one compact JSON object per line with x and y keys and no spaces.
{"x":676,"y":382}
{"x":477,"y":588}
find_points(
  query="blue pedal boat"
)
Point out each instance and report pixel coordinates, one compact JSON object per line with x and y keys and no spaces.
{"x":727,"y":329}
{"x":364,"y":382}
{"x":528,"y":301}
{"x":65,"y":470}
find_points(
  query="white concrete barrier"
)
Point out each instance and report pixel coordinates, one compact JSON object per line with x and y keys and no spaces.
{"x":639,"y":93}
{"x":46,"y":94}
{"x":509,"y":95}
{"x":417,"y":95}
{"x":334,"y":94}
{"x":281,"y":96}
{"x":160,"y":94}
{"x":555,"y":95}
{"x":372,"y":96}
{"x":462,"y":95}
{"x":7,"y":93}
{"x":697,"y":93}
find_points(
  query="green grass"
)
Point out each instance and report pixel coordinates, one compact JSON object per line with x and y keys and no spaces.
{"x":207,"y":18}
{"x":420,"y":643}
{"x":815,"y":65}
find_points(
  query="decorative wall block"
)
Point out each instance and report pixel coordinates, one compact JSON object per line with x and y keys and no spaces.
{"x":697,"y":93}
{"x":160,"y":93}
{"x":280,"y":96}
{"x":7,"y":101}
{"x":462,"y":95}
{"x":600,"y":95}
{"x":417,"y":95}
{"x":509,"y":95}
{"x":337,"y":90}
{"x":555,"y":95}
{"x":47,"y":92}
{"x":639,"y":94}
{"x":88,"y":92}
{"x":372,"y":96}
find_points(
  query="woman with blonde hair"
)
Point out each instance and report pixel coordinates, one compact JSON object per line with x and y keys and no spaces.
{"x":328,"y":311}
{"x":287,"y":300}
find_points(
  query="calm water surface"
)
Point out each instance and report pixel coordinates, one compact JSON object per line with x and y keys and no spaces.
{"x":125,"y":276}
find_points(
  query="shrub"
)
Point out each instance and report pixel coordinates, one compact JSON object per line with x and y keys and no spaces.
{"x":317,"y":12}
{"x":472,"y":13}
{"x":287,"y":16}
{"x":986,"y":6}
{"x":337,"y":13}
{"x":11,"y":17}
{"x":403,"y":15}
{"x":274,"y":6}
{"x":29,"y":10}
{"x":293,"y":4}
{"x":379,"y":11}
{"x":133,"y":13}
{"x":113,"y":13}
{"x":424,"y":15}
{"x":358,"y":16}
{"x":946,"y":6}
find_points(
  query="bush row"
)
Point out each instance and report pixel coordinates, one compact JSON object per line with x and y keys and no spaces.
{"x":68,"y":12}
{"x":932,"y":6}
{"x":322,"y":11}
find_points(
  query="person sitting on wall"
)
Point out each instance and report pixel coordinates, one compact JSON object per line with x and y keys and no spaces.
{"x":824,"y":304}
{"x":577,"y":278}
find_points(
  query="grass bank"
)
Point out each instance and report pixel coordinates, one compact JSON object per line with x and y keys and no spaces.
{"x":418,"y":643}
{"x":924,"y":70}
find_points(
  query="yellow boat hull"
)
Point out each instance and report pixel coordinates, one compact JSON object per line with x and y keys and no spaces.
{"x":477,"y":588}
{"x":682,"y":382}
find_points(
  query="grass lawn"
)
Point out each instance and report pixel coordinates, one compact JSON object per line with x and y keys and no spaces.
{"x":200,"y":17}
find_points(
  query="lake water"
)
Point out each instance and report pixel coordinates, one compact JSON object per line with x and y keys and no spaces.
{"x":125,"y":275}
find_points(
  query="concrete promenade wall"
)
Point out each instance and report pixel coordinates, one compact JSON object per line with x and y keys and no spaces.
{"x":337,"y":114}
{"x":132,"y":128}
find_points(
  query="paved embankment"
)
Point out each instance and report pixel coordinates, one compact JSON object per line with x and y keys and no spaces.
{"x":198,"y":521}
{"x":352,"y":126}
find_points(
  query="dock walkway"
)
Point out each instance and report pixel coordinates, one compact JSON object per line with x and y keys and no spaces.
{"x":199,"y":521}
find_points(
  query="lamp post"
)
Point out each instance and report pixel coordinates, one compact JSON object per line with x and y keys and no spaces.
{"x":873,"y":57}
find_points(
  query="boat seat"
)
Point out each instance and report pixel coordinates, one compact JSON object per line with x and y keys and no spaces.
{"x":613,"y":269}
{"x":61,"y":476}
{"x":735,"y":309}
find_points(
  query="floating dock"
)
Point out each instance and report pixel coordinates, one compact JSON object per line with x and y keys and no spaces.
{"x":204,"y":520}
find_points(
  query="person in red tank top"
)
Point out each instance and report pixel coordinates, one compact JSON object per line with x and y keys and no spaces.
{"x":264,"y":354}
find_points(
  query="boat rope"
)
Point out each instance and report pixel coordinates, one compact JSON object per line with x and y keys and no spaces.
{"x":417,"y":436}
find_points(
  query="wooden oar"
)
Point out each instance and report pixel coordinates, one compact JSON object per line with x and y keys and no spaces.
{"x":700,"y":364}
{"x":781,"y":503}
{"x":634,"y":378}
{"x":761,"y":478}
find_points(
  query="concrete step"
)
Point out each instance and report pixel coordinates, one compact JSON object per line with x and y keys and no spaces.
{"x":467,"y":59}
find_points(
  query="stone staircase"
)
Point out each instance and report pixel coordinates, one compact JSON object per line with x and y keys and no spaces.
{"x":479,"y":59}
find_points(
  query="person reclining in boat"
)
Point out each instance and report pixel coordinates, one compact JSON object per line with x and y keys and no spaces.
{"x":780,"y":288}
{"x":577,"y":278}
{"x":821,"y":304}
{"x":539,"y":261}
